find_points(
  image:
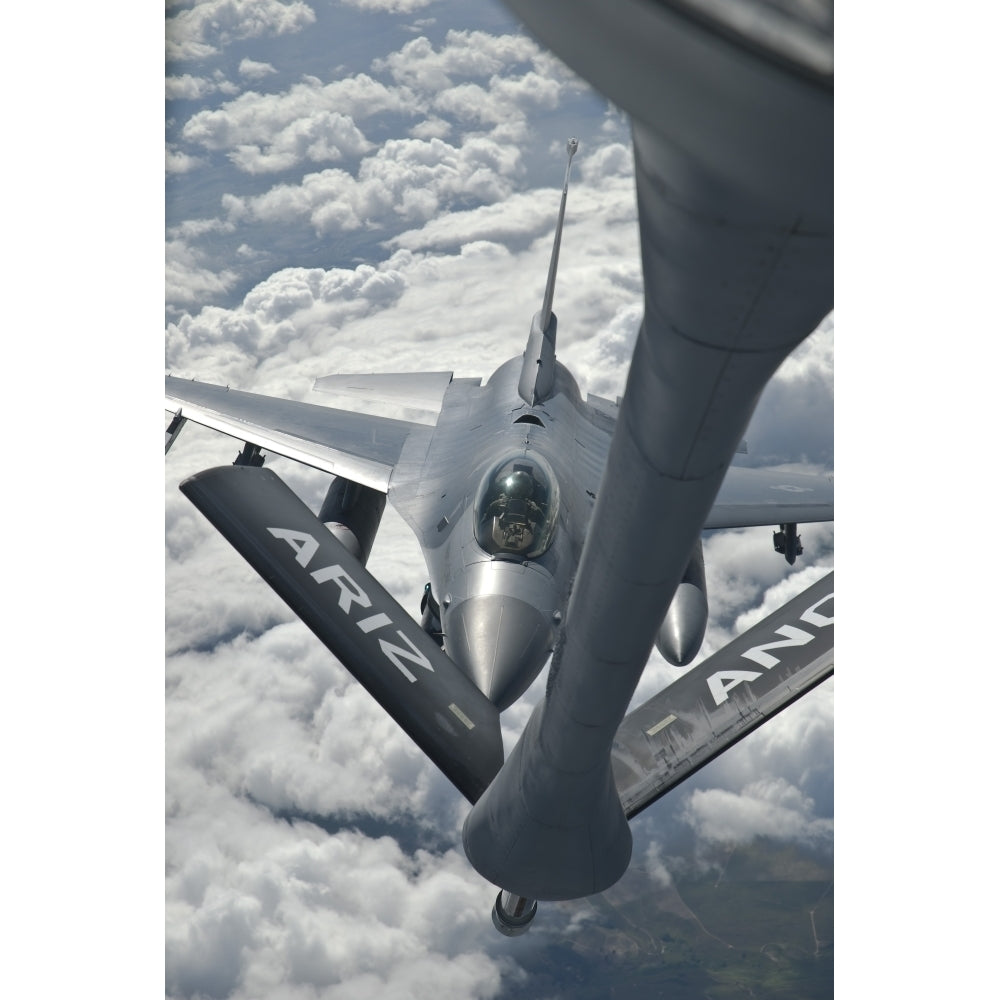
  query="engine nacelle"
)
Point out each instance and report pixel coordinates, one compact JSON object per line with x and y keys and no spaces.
{"x":683,"y":628}
{"x":353,"y":513}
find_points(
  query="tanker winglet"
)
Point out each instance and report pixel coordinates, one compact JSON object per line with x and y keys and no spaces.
{"x":538,"y":370}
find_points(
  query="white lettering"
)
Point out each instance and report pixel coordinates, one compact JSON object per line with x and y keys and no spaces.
{"x":721,"y":683}
{"x":796,"y":637}
{"x":375,"y":621}
{"x":720,"y":689}
{"x":305,"y":545}
{"x":350,"y":592}
{"x":812,"y":617}
{"x":395,"y":652}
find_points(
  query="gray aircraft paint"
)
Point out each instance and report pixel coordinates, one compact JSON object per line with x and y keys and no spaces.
{"x":733,"y":172}
{"x":724,"y":698}
{"x":356,"y":618}
{"x":734,"y":185}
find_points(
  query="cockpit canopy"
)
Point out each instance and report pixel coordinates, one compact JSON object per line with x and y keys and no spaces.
{"x":517,"y":506}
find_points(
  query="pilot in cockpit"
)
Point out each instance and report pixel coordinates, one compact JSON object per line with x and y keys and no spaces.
{"x":514,"y":512}
{"x":517,"y":506}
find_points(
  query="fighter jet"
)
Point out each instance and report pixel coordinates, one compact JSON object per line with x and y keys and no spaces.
{"x":563,"y":527}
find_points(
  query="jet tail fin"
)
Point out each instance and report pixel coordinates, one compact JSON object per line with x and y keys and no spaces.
{"x":538,"y":370}
{"x":439,"y":708}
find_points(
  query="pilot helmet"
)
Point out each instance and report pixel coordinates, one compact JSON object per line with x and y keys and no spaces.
{"x":518,"y":485}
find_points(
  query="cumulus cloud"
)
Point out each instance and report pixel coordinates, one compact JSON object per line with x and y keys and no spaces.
{"x":765,"y":808}
{"x":464,"y":54}
{"x":179,"y":162}
{"x":388,"y":6}
{"x":193,"y":88}
{"x":304,"y":914}
{"x":493,"y":83}
{"x":309,"y":122}
{"x":190,"y":278}
{"x":523,"y":215}
{"x":275,"y":313}
{"x":657,"y":870}
{"x":405,"y":179}
{"x":255,"y":70}
{"x":188,"y":87}
{"x":803,"y":385}
{"x":197,"y":32}
{"x":502,"y":102}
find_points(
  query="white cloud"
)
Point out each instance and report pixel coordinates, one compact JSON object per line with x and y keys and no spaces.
{"x":190,"y":279}
{"x":405,"y":179}
{"x":464,"y":54}
{"x":266,"y":908}
{"x":263,"y":119}
{"x":431,"y":128}
{"x":526,"y":214}
{"x":657,"y":870}
{"x":193,"y":88}
{"x":473,"y":77}
{"x":178,"y":162}
{"x":766,"y":808}
{"x":388,"y":6}
{"x":197,"y":32}
{"x":255,"y":70}
{"x":188,"y":87}
{"x":277,"y":312}
{"x":309,"y":122}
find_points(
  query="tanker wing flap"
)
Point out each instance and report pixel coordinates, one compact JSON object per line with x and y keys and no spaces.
{"x":725,"y":697}
{"x":399,"y":664}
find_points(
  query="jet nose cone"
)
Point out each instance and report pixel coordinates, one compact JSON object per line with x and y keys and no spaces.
{"x":500,"y":642}
{"x":683,"y":629}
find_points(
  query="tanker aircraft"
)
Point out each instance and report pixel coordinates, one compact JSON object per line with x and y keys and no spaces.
{"x":557,"y":525}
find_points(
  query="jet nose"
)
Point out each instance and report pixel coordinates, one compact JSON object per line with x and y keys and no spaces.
{"x":500,"y":642}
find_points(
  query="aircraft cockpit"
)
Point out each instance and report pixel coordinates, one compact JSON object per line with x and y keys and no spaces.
{"x":516,"y":507}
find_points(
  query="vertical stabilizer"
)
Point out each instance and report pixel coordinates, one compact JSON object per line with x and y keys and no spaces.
{"x":538,"y":371}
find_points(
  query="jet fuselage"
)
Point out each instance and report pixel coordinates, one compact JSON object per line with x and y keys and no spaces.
{"x":502,"y":549}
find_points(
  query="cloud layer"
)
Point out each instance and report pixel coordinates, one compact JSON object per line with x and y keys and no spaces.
{"x":398,"y":216}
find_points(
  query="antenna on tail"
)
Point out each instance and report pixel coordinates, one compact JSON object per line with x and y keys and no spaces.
{"x":538,"y":370}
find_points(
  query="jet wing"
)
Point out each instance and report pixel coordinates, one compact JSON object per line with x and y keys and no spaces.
{"x":751,"y":497}
{"x":361,"y":447}
{"x":725,"y":697}
{"x":423,"y":391}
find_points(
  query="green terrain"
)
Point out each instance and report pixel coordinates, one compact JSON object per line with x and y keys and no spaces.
{"x":757,"y":923}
